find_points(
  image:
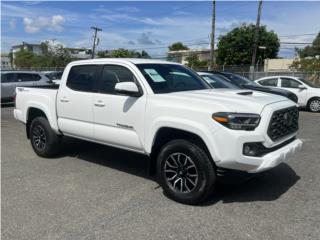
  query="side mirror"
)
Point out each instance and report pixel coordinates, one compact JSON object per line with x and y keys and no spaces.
{"x":301,"y":87}
{"x":128,"y":88}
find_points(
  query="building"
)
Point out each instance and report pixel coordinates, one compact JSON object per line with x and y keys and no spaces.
{"x":5,"y":61}
{"x":277,"y":65}
{"x":80,"y":53}
{"x":182,"y":55}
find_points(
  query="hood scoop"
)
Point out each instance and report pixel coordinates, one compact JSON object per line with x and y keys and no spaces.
{"x":245,"y":93}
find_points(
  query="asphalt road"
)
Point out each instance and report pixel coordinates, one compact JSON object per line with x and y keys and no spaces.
{"x":96,"y":192}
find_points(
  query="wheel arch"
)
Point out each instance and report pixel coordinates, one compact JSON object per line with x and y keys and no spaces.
{"x":165,"y":134}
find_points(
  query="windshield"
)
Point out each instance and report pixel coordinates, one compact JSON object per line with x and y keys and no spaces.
{"x":217,"y":82}
{"x":310,"y":84}
{"x":166,"y":78}
{"x":239,"y":80}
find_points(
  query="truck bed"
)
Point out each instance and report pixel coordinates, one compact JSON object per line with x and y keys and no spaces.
{"x":40,"y":97}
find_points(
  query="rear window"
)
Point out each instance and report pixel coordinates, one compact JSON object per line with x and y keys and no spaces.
{"x":82,"y":78}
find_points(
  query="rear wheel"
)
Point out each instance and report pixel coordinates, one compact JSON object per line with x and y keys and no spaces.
{"x":314,"y":105}
{"x":45,"y":142}
{"x":185,"y":172}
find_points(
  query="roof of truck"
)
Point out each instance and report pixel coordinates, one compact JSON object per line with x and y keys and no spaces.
{"x":125,"y":60}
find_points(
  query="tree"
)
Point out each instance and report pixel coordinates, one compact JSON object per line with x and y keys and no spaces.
{"x":177,"y":46}
{"x":311,"y":51}
{"x":123,"y":53}
{"x":25,"y":59}
{"x":309,"y":57}
{"x":52,"y":56}
{"x":195,"y":63}
{"x":236,"y":46}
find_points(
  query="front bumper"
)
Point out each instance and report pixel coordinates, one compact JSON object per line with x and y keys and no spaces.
{"x":275,"y":158}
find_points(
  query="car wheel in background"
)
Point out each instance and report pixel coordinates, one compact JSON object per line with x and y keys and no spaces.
{"x":314,"y":105}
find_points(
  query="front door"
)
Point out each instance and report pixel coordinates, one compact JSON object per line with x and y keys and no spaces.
{"x":119,"y":119}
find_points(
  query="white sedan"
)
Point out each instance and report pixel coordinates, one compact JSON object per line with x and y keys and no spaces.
{"x":307,"y":92}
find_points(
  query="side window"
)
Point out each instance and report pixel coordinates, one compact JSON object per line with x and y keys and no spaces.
{"x":272,"y":82}
{"x":24,"y":77}
{"x":7,"y":77}
{"x":289,"y":83}
{"x":82,"y":77}
{"x":113,"y":74}
{"x":36,"y":77}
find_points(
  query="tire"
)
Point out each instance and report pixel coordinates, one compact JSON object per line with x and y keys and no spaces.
{"x":189,"y":189}
{"x":314,"y":105}
{"x":44,"y":141}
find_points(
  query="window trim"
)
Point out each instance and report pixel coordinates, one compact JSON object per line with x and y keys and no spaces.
{"x":100,"y":72}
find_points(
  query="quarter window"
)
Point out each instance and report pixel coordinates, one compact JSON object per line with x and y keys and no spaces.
{"x":111,"y":75}
{"x":272,"y":82}
{"x":82,"y":78}
{"x":289,"y":83}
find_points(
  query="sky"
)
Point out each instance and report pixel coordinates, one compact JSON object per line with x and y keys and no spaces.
{"x":151,"y":25}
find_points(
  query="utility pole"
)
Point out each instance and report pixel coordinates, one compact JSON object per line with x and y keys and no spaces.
{"x":96,"y":30}
{"x":213,"y":27}
{"x":256,"y":40}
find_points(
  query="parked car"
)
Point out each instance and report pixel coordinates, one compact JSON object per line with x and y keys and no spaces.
{"x":167,"y":112}
{"x":307,"y":92}
{"x":217,"y":81}
{"x":12,"y":79}
{"x":245,"y":83}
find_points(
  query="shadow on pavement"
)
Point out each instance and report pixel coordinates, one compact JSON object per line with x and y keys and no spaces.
{"x":266,"y":186}
{"x":129,"y":162}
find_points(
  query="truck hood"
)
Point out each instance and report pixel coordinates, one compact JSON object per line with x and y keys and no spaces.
{"x":227,"y":99}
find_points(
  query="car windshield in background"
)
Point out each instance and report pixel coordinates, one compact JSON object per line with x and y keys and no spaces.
{"x":218,"y":82}
{"x":239,"y":80}
{"x":166,"y":78}
{"x":310,"y":84}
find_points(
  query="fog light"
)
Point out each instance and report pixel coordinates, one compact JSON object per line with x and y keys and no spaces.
{"x":250,"y":149}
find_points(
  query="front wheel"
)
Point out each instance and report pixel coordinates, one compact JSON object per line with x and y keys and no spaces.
{"x":45,"y":142}
{"x":314,"y":105}
{"x":185,"y":172}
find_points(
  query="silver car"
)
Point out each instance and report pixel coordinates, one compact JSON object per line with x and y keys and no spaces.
{"x":12,"y":79}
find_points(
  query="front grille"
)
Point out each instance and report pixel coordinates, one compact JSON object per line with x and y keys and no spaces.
{"x":283,"y":123}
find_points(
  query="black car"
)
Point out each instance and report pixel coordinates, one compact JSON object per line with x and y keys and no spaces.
{"x":245,"y":83}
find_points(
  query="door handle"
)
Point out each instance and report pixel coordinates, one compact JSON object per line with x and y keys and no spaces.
{"x":99,"y":103}
{"x":64,"y":100}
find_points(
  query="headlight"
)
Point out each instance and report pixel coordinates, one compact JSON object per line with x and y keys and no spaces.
{"x":237,"y":121}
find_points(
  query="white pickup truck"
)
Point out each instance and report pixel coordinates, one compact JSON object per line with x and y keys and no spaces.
{"x":191,"y":132}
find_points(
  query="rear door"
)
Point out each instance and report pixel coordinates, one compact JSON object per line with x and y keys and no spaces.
{"x":75,"y":102}
{"x":119,"y":119}
{"x":8,"y":85}
{"x":293,"y":86}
